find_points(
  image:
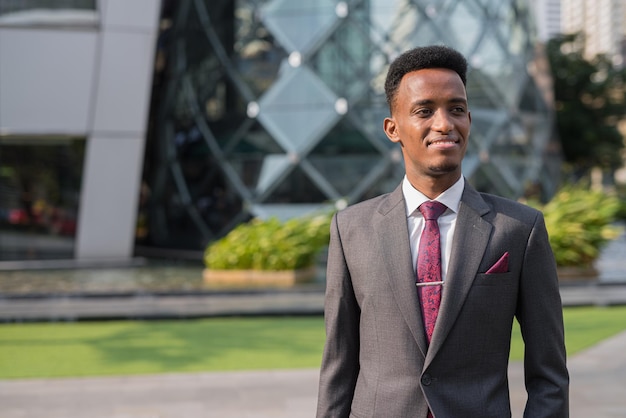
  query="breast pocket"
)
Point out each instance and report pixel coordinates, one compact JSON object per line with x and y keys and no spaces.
{"x":497,"y":279}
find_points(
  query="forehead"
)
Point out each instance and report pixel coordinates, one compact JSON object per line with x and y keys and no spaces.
{"x":431,"y":83}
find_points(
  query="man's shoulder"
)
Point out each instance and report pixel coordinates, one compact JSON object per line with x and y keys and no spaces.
{"x":364,"y":206}
{"x":510,"y":207}
{"x":374,"y":204}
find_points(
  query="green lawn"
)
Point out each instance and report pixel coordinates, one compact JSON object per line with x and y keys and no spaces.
{"x":139,"y":347}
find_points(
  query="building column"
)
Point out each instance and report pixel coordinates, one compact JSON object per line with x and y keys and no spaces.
{"x":116,"y":138}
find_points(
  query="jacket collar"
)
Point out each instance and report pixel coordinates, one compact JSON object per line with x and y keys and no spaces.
{"x":469,"y":243}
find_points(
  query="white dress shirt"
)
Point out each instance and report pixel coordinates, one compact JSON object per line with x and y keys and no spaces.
{"x":447,"y":221}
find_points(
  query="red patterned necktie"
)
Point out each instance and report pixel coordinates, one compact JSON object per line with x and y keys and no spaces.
{"x":429,"y":265}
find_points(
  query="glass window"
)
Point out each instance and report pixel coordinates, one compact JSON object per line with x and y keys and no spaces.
{"x":48,"y":12}
{"x":39,"y":193}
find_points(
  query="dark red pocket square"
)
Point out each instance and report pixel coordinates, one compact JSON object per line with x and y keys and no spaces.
{"x":501,"y":266}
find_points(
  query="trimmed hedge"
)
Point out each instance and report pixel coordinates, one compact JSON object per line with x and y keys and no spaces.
{"x":580,"y":222}
{"x":270,"y":244}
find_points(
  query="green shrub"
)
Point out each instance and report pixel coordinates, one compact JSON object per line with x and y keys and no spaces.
{"x":621,"y":194}
{"x":270,"y":244}
{"x":580,"y":221}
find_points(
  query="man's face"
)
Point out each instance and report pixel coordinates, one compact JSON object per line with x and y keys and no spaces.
{"x":431,"y":121}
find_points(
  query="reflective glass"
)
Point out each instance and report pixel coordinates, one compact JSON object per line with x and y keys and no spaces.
{"x":13,"y":6}
{"x":297,"y":109}
{"x":40,"y":182}
{"x":280,"y":105}
{"x":299,"y":24}
{"x":468,"y":24}
{"x":48,"y":13}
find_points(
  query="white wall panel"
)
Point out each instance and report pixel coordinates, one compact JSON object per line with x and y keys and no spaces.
{"x":139,"y":14}
{"x":123,"y":87}
{"x":46,"y":80}
{"x":115,"y":147}
{"x":108,"y":204}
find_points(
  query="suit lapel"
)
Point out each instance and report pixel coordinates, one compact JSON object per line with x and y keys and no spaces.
{"x":393,"y":230}
{"x":470,"y":240}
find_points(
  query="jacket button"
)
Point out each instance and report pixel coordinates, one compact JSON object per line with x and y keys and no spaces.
{"x":426,"y":380}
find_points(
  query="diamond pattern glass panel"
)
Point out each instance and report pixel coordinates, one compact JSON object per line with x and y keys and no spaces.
{"x":298,"y":99}
{"x":275,"y":107}
{"x":299,"y":24}
{"x":469,"y":25}
{"x":273,"y":167}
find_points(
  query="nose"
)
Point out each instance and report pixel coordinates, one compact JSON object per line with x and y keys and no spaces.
{"x":442,"y":122}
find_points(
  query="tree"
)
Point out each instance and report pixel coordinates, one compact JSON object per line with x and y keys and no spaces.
{"x":590,"y":101}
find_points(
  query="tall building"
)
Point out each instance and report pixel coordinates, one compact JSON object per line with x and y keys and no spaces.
{"x":548,"y":18}
{"x":124,"y":133}
{"x":602,"y":21}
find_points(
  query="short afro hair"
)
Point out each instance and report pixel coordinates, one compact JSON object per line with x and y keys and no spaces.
{"x":434,"y":56}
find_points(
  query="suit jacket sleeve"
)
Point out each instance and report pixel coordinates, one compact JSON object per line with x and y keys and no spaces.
{"x":540,"y":315}
{"x":340,"y":363}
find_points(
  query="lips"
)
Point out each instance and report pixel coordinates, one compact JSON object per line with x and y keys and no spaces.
{"x":443,"y":142}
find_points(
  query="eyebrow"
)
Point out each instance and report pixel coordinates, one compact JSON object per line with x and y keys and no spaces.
{"x":454,"y":100}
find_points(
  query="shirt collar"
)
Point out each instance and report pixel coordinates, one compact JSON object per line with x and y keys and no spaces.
{"x":450,"y":197}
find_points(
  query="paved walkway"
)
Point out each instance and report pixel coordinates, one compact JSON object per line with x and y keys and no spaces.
{"x":598,"y":385}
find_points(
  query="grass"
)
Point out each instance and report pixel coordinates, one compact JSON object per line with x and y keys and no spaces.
{"x":584,"y":327}
{"x":141,"y":347}
{"x":138,"y":347}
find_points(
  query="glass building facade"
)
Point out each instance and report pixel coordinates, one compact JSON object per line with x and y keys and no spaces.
{"x":40,"y":179}
{"x":275,"y":107}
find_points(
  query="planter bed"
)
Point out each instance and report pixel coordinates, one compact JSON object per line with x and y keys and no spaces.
{"x":258,"y":277}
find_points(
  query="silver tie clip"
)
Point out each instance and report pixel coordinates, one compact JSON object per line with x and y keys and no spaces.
{"x":429,"y":284}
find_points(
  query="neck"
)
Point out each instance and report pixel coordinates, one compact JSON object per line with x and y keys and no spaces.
{"x":431,"y":187}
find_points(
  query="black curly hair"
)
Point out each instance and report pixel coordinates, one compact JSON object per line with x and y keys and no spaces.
{"x":434,"y":56}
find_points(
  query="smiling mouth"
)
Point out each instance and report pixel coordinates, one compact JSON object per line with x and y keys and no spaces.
{"x":443,"y":142}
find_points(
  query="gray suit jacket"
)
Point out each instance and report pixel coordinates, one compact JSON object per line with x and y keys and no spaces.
{"x":376,"y":361}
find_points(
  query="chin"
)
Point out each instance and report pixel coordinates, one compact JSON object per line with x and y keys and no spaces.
{"x":442,"y":169}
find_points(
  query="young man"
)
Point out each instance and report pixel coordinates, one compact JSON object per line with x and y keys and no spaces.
{"x":404,"y":343}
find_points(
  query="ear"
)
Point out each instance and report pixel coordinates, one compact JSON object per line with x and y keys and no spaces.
{"x":391,"y":130}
